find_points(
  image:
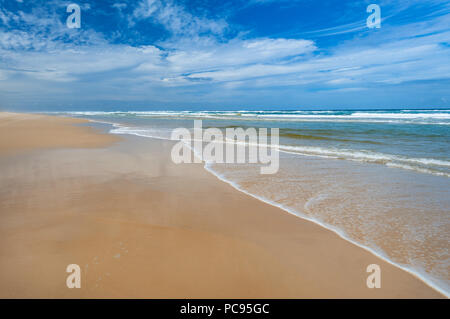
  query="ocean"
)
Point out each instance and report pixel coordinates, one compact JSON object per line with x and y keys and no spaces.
{"x":378,"y":178}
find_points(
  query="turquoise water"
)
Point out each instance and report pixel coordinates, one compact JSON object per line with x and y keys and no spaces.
{"x":378,"y":178}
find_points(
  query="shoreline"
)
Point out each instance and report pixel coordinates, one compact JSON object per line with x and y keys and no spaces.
{"x":334,"y":230}
{"x":328,"y":227}
{"x":269,"y":243}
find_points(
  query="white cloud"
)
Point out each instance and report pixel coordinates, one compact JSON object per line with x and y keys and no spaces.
{"x":119,"y":6}
{"x":175,"y":19}
{"x":236,"y":53}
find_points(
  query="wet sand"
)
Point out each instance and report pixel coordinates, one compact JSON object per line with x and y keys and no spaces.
{"x":140,"y":226}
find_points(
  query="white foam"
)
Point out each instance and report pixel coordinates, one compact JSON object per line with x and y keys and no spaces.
{"x":433,"y":283}
{"x":422,"y":117}
{"x":361,"y":155}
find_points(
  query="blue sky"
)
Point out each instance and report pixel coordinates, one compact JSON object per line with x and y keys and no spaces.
{"x":199,"y":54}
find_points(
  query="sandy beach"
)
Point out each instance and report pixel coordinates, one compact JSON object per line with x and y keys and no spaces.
{"x":141,"y":226}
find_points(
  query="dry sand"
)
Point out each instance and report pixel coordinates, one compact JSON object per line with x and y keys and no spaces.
{"x":140,"y":226}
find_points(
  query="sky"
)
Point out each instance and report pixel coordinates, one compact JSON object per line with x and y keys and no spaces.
{"x":224,"y":55}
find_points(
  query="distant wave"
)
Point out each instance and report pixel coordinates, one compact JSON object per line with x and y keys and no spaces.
{"x":436,"y":117}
